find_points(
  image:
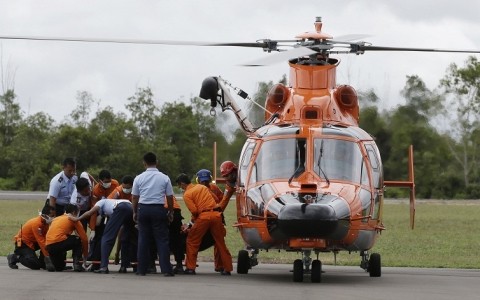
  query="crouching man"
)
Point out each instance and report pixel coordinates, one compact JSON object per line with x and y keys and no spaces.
{"x":119,"y":212}
{"x":29,"y":239}
{"x":60,"y":239}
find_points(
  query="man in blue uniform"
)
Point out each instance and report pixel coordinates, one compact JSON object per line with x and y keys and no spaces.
{"x":62,"y":186}
{"x":119,"y":213}
{"x":149,"y":191}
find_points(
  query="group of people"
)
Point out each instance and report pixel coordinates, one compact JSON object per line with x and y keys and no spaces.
{"x":141,"y":212}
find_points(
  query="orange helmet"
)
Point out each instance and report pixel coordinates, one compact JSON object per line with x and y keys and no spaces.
{"x":227,"y":167}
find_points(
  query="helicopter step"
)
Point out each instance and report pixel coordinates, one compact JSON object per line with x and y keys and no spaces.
{"x":371,"y":263}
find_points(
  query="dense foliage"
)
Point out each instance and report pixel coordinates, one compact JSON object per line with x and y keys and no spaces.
{"x":442,"y":124}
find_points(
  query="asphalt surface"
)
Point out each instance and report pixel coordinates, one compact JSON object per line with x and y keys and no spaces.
{"x":21,"y":195}
{"x":264,"y":281}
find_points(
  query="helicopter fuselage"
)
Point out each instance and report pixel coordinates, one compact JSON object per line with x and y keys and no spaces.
{"x":310,"y":187}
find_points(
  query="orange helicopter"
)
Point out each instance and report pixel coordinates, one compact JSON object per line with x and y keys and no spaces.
{"x":310,"y":179}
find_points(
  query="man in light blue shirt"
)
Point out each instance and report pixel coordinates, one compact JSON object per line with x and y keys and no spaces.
{"x":149,"y":191}
{"x":62,"y":186}
{"x":120,"y":214}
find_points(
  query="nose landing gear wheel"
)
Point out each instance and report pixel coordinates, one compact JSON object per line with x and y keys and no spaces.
{"x":375,"y":265}
{"x":243,"y":262}
{"x":298,"y":270}
{"x":316,"y":273}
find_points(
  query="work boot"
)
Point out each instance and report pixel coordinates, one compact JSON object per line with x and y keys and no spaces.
{"x":225,"y":273}
{"x":77,"y":266}
{"x":12,"y":261}
{"x":48,"y":264}
{"x":102,"y":271}
{"x":178,"y":269}
{"x":189,"y":272}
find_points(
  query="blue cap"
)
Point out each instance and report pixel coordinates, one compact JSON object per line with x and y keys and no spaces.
{"x":204,"y":175}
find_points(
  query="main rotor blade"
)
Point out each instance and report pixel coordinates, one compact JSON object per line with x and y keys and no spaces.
{"x":349,"y":37}
{"x":280,"y":57}
{"x":262,"y":44}
{"x":382,"y":48}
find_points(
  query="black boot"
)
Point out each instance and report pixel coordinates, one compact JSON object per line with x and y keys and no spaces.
{"x":77,"y":266}
{"x":178,"y":268}
{"x":12,"y":261}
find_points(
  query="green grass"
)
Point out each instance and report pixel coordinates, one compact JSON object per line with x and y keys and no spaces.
{"x":445,"y":236}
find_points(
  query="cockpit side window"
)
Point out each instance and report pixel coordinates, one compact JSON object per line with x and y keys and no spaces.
{"x":376,"y":166}
{"x":247,"y":156}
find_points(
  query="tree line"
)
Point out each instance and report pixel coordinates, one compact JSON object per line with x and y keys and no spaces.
{"x":443,"y":125}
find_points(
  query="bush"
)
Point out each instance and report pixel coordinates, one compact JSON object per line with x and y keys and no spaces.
{"x":7,"y":184}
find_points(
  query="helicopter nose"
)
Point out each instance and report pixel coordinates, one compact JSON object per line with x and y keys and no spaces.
{"x":314,"y":220}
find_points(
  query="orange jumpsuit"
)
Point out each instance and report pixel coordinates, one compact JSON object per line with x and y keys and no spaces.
{"x":218,"y":199}
{"x":33,"y":233}
{"x":118,"y":193}
{"x":207,"y":216}
{"x":229,"y":191}
{"x":217,"y":192}
{"x":62,"y":227}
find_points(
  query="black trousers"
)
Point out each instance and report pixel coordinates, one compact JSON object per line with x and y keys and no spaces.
{"x":28,"y":257}
{"x":58,"y":251}
{"x":177,"y":238}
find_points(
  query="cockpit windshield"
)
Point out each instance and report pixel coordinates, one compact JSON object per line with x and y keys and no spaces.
{"x":281,"y":158}
{"x":337,"y":159}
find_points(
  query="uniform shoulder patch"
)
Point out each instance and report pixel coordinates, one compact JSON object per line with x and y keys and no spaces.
{"x":60,"y":179}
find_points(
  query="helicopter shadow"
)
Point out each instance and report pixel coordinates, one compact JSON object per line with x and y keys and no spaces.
{"x":331,"y":276}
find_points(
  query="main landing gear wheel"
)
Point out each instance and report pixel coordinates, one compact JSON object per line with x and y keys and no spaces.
{"x":316,"y":273}
{"x":243,"y":262}
{"x":375,"y":265}
{"x":298,"y":270}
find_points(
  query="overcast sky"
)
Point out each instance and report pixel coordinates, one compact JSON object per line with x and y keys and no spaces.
{"x":49,"y":74}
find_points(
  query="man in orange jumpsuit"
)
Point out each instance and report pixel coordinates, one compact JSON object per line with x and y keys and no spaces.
{"x":59,"y":240}
{"x":123,"y":191}
{"x":30,"y":238}
{"x":204,"y":177}
{"x":206,"y":216}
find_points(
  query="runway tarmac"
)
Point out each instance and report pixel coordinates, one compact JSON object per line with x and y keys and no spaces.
{"x":265,"y":281}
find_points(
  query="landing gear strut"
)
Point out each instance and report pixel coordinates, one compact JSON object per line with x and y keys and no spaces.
{"x":371,"y":263}
{"x":306,"y":265}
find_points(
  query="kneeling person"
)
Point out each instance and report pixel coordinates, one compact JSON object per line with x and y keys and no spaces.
{"x":30,"y":238}
{"x":120,"y":213}
{"x":59,"y":240}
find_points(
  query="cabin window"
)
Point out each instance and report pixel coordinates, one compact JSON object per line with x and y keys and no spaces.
{"x":337,"y":160}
